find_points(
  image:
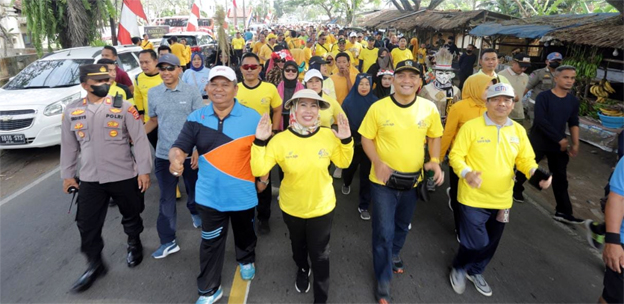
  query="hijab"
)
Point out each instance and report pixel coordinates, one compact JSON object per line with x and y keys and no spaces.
{"x":317,"y":66}
{"x":290,"y":83}
{"x":475,"y":86}
{"x":299,"y":128}
{"x":202,"y":60}
{"x":356,"y":105}
{"x":384,"y":63}
{"x":380,"y":91}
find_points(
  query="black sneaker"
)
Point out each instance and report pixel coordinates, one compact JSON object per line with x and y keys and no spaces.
{"x":568,"y":219}
{"x":263,"y":227}
{"x":595,"y":237}
{"x":518,"y":198}
{"x":302,"y":283}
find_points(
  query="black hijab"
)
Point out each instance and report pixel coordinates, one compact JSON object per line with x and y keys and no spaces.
{"x":288,"y":83}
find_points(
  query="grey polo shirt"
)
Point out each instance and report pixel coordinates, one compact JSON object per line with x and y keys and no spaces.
{"x":172,"y":108}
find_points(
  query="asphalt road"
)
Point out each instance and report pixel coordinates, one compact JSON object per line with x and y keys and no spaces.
{"x":538,"y":260}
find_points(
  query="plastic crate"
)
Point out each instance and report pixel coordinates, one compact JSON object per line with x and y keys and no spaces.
{"x":612,"y":122}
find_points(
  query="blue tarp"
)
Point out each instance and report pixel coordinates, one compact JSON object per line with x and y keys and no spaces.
{"x":533,"y":30}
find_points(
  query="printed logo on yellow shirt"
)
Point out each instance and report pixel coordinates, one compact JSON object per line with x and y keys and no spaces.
{"x":514,"y":140}
{"x":422,"y":124}
{"x":388,"y":123}
{"x":483,"y":140}
{"x":323,"y":154}
{"x":264,"y":101}
{"x":291,"y":155}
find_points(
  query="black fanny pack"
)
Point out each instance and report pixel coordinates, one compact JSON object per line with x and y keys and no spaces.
{"x":402,"y":181}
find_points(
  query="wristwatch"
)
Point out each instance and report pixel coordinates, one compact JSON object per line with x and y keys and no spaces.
{"x":266,"y":182}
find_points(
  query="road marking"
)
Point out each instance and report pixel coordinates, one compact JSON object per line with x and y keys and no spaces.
{"x":30,"y":186}
{"x":239,"y":290}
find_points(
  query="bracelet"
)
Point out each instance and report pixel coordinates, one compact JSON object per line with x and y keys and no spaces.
{"x":434,"y":160}
{"x":266,"y":182}
{"x":612,"y":238}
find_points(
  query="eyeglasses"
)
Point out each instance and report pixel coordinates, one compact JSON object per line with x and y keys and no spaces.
{"x":290,"y":70}
{"x":248,"y":67}
{"x":169,"y":68}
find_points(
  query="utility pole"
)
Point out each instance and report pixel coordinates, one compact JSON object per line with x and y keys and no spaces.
{"x":112,"y":26}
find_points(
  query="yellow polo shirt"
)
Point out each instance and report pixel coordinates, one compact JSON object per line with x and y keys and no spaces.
{"x":399,"y":132}
{"x":307,"y":190}
{"x":369,"y":57}
{"x":265,"y":52}
{"x":180,"y":52}
{"x":492,"y":150}
{"x":238,"y":43}
{"x":141,"y":86}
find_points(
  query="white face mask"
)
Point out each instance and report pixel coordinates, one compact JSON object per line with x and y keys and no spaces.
{"x":444,"y":77}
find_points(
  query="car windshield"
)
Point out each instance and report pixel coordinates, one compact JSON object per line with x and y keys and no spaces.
{"x":48,"y":74}
{"x":190,"y":40}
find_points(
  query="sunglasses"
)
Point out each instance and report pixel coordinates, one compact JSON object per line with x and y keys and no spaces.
{"x":329,"y":60}
{"x":248,"y":67}
{"x":290,"y":70}
{"x":169,"y":68}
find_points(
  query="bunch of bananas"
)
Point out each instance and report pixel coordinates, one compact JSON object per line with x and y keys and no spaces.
{"x":610,"y":112}
{"x":602,"y":90}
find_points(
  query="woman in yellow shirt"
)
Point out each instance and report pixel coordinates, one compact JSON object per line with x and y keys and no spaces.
{"x":472,"y":106}
{"x":307,"y":196}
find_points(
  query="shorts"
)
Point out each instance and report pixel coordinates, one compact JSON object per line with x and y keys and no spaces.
{"x":613,"y":291}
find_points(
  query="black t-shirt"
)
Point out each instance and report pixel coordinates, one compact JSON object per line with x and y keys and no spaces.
{"x":466,"y":63}
{"x":552,"y":114}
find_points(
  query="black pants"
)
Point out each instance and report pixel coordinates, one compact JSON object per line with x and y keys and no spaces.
{"x":264,"y":203}
{"x":310,"y":237}
{"x":153,"y":137}
{"x":360,"y":159}
{"x":93,"y":199}
{"x":557,"y":164}
{"x":212,"y":248}
{"x":454,"y":184}
{"x":238,"y":54}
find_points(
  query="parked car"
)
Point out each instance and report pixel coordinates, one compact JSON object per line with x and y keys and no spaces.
{"x":198,"y":41}
{"x":32,"y":102}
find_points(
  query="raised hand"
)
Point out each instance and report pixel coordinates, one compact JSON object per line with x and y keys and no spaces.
{"x":264,"y":131}
{"x":344,"y":131}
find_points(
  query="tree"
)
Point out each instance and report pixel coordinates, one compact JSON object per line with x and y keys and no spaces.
{"x":405,"y":5}
{"x":70,"y":23}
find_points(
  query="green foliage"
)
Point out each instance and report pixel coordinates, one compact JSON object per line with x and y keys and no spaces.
{"x":98,"y":43}
{"x":69,"y":23}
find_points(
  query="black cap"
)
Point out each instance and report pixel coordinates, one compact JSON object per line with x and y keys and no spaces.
{"x":94,"y":71}
{"x":317,"y":60}
{"x":523,"y":60}
{"x":342,"y":40}
{"x":408,"y":65}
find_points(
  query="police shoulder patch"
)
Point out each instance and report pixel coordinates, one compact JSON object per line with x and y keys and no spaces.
{"x":132,"y":110}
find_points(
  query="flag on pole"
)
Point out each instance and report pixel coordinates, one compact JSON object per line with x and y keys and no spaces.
{"x":193,"y":23}
{"x":234,"y":2}
{"x":249,"y":17}
{"x":128,"y":26}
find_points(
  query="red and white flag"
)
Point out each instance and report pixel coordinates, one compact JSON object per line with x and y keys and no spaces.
{"x":128,"y":26}
{"x":234,"y":2}
{"x":193,"y":24}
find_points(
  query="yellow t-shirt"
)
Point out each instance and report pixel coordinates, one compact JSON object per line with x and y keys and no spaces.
{"x":265,"y":52}
{"x":257,"y":46}
{"x":422,"y":54}
{"x":114,"y":90}
{"x":321,"y":49}
{"x":329,"y":116}
{"x":261,"y":98}
{"x":355,"y":49}
{"x":307,"y":53}
{"x":482,"y":146}
{"x":238,"y":43}
{"x":307,"y":190}
{"x":399,"y":132}
{"x":369,"y":57}
{"x":180,"y":52}
{"x":187,"y":53}
{"x":142,"y":84}
{"x":399,"y":55}
{"x":331,"y":39}
{"x":147,"y":45}
{"x":340,"y":84}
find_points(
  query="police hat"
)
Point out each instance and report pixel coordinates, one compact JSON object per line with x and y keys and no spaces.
{"x":94,"y":71}
{"x":408,"y":65}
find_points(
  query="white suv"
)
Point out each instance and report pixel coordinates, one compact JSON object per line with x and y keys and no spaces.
{"x":32,"y":102}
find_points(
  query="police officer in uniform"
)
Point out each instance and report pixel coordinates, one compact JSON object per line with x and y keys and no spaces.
{"x":542,"y":80}
{"x":99,"y":129}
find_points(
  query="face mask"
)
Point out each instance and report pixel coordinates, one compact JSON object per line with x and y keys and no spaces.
{"x":101,"y":90}
{"x":468,"y":51}
{"x":554,"y":64}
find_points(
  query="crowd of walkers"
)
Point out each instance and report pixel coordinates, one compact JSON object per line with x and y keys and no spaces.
{"x":308,"y":102}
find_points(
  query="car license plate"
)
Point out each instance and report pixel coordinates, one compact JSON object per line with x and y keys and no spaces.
{"x":12,"y":139}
